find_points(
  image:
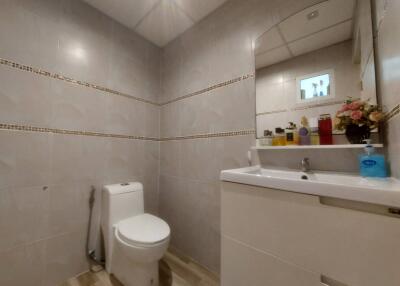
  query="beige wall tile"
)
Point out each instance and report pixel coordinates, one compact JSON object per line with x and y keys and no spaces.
{"x":70,"y":38}
{"x":393,"y":140}
{"x":388,"y":74}
{"x":24,"y":216}
{"x":28,"y":265}
{"x":25,"y":98}
{"x":33,"y":159}
{"x":65,"y":257}
{"x":216,"y":50}
{"x":8,"y":158}
{"x":170,"y":158}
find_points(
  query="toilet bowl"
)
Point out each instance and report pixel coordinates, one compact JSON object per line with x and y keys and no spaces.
{"x":134,"y":241}
{"x":143,"y":238}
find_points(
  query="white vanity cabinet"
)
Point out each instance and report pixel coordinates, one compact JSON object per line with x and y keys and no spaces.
{"x":280,"y":238}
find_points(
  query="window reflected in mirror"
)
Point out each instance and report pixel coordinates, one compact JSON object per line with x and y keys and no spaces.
{"x":318,"y":86}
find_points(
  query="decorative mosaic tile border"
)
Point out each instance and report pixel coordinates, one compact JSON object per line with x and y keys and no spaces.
{"x":210,"y":135}
{"x":70,"y":80}
{"x":110,"y":135}
{"x":115,"y":92}
{"x":205,"y":90}
{"x":72,"y":132}
{"x":393,"y":113}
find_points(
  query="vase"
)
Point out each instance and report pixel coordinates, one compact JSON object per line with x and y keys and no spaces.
{"x":357,"y":134}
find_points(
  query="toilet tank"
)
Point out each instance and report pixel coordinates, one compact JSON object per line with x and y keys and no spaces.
{"x":119,"y":201}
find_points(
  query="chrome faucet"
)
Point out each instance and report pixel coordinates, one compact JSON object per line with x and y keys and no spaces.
{"x":305,"y":165}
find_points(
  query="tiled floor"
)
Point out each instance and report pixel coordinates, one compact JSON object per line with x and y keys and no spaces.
{"x":174,"y":271}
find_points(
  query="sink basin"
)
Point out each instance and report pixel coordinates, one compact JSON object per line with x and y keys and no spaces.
{"x":383,"y":191}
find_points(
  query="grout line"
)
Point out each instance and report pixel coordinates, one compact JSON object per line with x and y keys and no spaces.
{"x":272,"y":112}
{"x":301,"y":107}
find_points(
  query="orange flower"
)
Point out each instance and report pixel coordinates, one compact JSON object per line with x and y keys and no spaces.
{"x":376,"y":116}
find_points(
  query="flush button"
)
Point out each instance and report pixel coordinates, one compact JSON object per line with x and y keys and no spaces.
{"x":125,"y":184}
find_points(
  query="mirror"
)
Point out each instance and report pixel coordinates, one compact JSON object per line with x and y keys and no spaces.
{"x":311,"y":62}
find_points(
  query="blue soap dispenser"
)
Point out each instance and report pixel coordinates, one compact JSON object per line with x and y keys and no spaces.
{"x":371,"y":164}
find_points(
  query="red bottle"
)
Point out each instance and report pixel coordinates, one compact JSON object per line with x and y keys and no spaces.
{"x":325,"y":129}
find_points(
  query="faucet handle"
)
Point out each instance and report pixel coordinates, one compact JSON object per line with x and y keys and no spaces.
{"x":305,"y":160}
{"x":305,"y":164}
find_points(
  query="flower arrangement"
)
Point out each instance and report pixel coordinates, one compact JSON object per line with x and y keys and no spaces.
{"x":358,"y":118}
{"x":359,"y":113}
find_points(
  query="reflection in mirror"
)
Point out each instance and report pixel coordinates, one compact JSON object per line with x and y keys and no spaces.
{"x":315,"y":86}
{"x":311,"y":62}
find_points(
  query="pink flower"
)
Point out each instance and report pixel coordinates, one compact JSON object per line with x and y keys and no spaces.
{"x":345,"y":107}
{"x":355,"y":105}
{"x":356,"y":115}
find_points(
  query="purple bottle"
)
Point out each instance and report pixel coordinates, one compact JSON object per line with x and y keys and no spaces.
{"x":304,"y":132}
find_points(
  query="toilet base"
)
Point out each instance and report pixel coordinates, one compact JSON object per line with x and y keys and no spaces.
{"x":130,"y":273}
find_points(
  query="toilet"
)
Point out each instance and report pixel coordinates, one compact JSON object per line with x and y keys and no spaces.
{"x":134,"y":241}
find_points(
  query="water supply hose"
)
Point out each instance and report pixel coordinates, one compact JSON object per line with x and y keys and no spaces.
{"x":91,"y":253}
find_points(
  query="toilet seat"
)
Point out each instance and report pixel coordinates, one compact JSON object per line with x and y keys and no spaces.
{"x":143,"y":230}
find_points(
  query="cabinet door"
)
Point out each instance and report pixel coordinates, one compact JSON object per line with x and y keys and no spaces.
{"x":353,"y":247}
{"x":246,"y":266}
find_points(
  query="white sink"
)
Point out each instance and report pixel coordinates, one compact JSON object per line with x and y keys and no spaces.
{"x":385,"y":191}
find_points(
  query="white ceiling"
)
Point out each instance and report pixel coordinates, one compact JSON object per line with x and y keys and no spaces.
{"x":298,"y":34}
{"x":159,"y":21}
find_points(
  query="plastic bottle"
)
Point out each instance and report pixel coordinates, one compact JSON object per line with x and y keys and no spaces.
{"x":371,"y":164}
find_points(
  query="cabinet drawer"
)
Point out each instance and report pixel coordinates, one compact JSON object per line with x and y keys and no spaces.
{"x":243,"y":265}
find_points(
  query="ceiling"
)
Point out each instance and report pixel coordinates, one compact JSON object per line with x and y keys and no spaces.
{"x":316,"y":27}
{"x":159,"y":21}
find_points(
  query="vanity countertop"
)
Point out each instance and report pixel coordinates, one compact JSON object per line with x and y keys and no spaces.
{"x":382,"y":191}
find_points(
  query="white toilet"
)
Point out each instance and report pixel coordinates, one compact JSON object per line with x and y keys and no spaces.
{"x":134,"y":241}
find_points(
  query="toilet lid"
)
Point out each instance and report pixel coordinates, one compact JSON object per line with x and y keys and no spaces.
{"x":143,"y":229}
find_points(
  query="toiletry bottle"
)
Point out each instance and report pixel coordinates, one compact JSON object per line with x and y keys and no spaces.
{"x":279,"y":138}
{"x":296,"y":135}
{"x":304,"y":132}
{"x":325,"y":129}
{"x":371,"y":164}
{"x":314,"y":136}
{"x":267,"y":139}
{"x":291,"y":134}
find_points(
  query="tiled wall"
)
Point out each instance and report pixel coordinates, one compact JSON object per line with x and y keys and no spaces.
{"x":277,"y":102}
{"x":217,"y":50}
{"x":78,"y":107}
{"x":388,"y":54}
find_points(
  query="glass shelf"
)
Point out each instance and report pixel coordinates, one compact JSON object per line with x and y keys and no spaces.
{"x":298,"y":147}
